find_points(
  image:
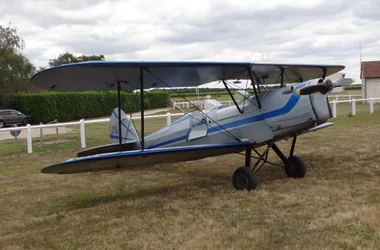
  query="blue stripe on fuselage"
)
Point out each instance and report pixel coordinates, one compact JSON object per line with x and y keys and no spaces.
{"x":284,"y":110}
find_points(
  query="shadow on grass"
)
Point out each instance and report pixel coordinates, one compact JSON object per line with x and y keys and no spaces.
{"x":196,"y":178}
{"x":195,"y":181}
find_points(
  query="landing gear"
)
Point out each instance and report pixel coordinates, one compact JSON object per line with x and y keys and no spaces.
{"x":245,"y":177}
{"x":296,"y":167}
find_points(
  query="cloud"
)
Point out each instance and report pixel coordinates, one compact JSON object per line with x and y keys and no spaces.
{"x":368,"y":9}
{"x":296,"y":31}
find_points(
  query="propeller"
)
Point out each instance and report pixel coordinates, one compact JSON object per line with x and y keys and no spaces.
{"x":325,"y":86}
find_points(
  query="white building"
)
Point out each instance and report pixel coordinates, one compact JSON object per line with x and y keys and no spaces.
{"x":370,"y":75}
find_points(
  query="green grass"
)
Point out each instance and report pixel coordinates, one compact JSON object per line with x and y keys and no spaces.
{"x":193,"y":205}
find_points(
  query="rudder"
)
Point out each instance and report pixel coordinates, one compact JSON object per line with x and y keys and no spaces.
{"x":128,"y":131}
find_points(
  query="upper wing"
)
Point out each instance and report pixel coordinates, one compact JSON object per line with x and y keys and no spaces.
{"x":103,"y":75}
{"x":271,"y":73}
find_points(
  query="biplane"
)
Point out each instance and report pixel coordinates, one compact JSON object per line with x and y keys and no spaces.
{"x":259,"y":118}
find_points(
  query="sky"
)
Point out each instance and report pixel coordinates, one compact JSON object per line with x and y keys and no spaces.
{"x":276,"y":31}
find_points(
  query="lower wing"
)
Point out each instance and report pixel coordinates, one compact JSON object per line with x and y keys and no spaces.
{"x":126,"y":159}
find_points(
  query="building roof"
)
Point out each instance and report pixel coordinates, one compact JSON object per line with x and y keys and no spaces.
{"x":370,"y":69}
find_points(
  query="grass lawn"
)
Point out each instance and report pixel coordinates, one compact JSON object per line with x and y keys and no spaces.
{"x":193,"y":205}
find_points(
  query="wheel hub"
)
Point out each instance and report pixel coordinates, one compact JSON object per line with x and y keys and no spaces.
{"x":243,"y":180}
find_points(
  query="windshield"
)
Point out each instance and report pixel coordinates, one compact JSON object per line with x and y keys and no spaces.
{"x":241,"y":95}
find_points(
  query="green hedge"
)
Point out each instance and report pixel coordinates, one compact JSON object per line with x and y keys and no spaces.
{"x":353,"y":87}
{"x":45,"y":107}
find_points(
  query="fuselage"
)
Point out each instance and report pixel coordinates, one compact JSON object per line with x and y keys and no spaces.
{"x":282,"y":113}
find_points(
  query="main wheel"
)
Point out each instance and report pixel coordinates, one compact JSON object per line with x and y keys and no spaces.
{"x":296,"y":167}
{"x":244,"y":178}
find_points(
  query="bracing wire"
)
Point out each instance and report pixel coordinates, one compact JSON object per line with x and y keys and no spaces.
{"x":228,"y":132}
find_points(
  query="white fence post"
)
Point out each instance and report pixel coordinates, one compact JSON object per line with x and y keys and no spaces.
{"x":349,"y":98}
{"x":336,"y":98}
{"x":353,"y":107}
{"x":29,"y":138}
{"x":334,"y":109}
{"x":371,"y":105}
{"x":41,"y":135}
{"x":168,"y":118}
{"x":82,"y":134}
{"x":173,"y":105}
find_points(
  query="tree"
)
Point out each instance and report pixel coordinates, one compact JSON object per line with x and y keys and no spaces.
{"x":15,"y":68}
{"x":67,"y":57}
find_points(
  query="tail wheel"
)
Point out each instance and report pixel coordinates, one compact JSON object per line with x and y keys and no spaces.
{"x":295,"y":167}
{"x":244,"y":178}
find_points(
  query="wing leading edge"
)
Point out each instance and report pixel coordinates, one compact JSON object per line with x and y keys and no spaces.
{"x":130,"y":159}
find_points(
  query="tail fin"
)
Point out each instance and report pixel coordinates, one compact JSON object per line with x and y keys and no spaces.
{"x":128,"y":131}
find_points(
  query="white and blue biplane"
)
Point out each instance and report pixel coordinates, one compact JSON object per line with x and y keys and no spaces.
{"x":299,"y":105}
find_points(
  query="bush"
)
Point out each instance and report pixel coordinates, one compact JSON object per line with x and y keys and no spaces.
{"x":67,"y":106}
{"x":353,"y":87}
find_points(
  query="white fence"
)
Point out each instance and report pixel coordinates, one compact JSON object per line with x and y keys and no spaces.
{"x":336,"y":97}
{"x":353,"y":103}
{"x":28,"y":128}
{"x":201,"y":103}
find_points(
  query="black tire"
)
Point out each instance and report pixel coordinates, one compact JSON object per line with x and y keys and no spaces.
{"x":2,"y":124}
{"x":244,"y":178}
{"x":296,"y":167}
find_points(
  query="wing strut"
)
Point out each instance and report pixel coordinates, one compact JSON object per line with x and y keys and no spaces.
{"x":254,"y":87}
{"x":324,"y":73}
{"x":119,"y":110}
{"x":233,"y":99}
{"x":282,"y":77}
{"x":142,"y":106}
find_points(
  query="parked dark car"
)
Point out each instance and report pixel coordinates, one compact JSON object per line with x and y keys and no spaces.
{"x":10,"y":117}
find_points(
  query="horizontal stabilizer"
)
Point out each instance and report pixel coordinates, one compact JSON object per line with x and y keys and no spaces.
{"x":126,"y":146}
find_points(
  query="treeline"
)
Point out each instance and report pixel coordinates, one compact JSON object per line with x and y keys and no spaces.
{"x":48,"y":106}
{"x":16,"y":69}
